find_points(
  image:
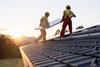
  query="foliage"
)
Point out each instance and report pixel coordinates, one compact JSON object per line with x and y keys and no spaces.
{"x":57,"y":32}
{"x":8,"y":48}
{"x":79,"y":27}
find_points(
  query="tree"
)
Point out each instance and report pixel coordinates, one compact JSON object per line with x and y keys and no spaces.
{"x":57,"y":32}
{"x":79,"y":27}
{"x":8,"y":48}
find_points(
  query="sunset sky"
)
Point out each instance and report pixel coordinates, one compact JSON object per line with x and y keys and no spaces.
{"x":20,"y":17}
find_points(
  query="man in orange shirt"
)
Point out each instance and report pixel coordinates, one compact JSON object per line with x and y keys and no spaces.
{"x":66,"y":19}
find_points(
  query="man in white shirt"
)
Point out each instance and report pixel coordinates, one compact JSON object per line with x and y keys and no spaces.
{"x":43,"y":25}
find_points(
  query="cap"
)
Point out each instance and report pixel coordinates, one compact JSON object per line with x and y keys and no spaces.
{"x":68,"y":7}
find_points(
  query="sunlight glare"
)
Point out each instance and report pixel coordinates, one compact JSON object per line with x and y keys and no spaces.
{"x":16,"y":33}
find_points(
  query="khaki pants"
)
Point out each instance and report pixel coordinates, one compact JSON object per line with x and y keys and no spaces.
{"x":43,"y":35}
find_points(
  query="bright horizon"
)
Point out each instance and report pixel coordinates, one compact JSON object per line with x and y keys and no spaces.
{"x":20,"y":17}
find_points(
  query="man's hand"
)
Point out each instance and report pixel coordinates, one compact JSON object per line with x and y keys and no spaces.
{"x":74,"y":15}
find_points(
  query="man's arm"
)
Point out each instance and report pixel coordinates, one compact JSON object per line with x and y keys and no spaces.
{"x":63,"y":16}
{"x":73,"y":14}
{"x":41,"y":20}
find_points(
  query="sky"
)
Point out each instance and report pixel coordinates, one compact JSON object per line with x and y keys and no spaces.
{"x":20,"y":17}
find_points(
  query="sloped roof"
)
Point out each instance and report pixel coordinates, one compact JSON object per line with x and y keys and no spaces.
{"x":72,"y":51}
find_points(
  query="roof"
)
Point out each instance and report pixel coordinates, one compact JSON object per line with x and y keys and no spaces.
{"x":72,"y":51}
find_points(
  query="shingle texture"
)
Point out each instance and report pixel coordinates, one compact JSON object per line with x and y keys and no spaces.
{"x":81,"y":50}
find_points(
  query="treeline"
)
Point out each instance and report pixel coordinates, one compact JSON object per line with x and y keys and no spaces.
{"x":8,"y":48}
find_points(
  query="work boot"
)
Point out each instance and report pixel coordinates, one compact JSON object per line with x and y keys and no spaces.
{"x":36,"y":41}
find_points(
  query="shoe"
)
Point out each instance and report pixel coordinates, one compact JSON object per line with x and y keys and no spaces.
{"x":36,"y":41}
{"x":62,"y":38}
{"x":43,"y":42}
{"x":70,"y":35}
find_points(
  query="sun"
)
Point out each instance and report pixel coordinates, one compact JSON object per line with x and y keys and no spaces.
{"x":16,"y":33}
